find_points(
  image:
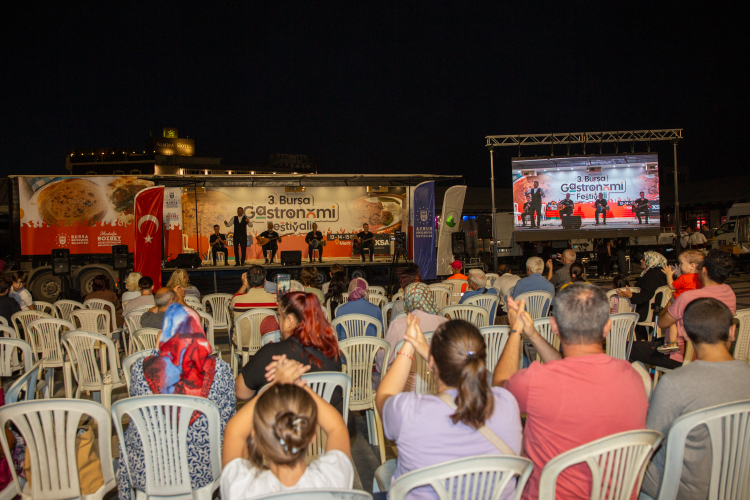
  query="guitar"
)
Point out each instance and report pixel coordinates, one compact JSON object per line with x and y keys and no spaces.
{"x":358,"y":243}
{"x":265,"y":241}
{"x":317,"y":243}
{"x":640,"y":206}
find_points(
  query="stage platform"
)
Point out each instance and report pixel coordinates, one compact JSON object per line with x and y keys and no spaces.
{"x":327,"y":262}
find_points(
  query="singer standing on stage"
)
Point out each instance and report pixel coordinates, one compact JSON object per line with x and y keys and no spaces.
{"x":363,"y":235}
{"x":536,"y":194}
{"x":240,"y":235}
{"x":313,"y":236}
{"x":273,"y":245}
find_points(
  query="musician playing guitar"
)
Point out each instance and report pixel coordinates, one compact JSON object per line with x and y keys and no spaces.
{"x":314,"y":240}
{"x":271,"y":239}
{"x":641,"y":207}
{"x":364,"y":239}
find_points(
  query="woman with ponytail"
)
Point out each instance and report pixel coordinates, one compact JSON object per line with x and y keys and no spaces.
{"x":306,"y":337}
{"x":431,"y":429}
{"x":275,"y":429}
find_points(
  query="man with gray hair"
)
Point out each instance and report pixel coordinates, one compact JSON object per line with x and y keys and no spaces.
{"x":562,"y":276}
{"x":534,"y":281}
{"x":575,"y":397}
{"x":478,"y":286}
{"x":154,"y":317}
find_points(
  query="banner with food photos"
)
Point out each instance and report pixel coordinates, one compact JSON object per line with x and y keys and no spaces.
{"x":338,"y":210}
{"x":88,"y":215}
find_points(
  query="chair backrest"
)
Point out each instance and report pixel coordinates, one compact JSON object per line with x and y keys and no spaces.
{"x":107,"y":306}
{"x":537,"y":303}
{"x":196,"y":306}
{"x":271,"y":337}
{"x":397,"y":295}
{"x":44,"y":336}
{"x":247,"y":328}
{"x":26,"y":382}
{"x":64,"y":307}
{"x":162,"y":423}
{"x":92,"y":320}
{"x":425,"y":383}
{"x":127,"y":364}
{"x":544,"y":328}
{"x":145,"y":338}
{"x":344,"y":300}
{"x":495,"y":338}
{"x":49,"y":427}
{"x":663,"y":294}
{"x":23,"y":318}
{"x":9,"y":347}
{"x":83,"y":349}
{"x":617,"y":464}
{"x":623,"y":303}
{"x":216,"y":304}
{"x":487,"y":300}
{"x":478,"y":316}
{"x":359,"y":353}
{"x":327,"y":494}
{"x":323,"y":384}
{"x":621,"y":334}
{"x":377,"y":299}
{"x":40,"y":305}
{"x":742,"y":347}
{"x":133,"y":320}
{"x":355,"y":325}
{"x":143,"y":308}
{"x":456,"y":287}
{"x":3,"y":321}
{"x":470,"y":478}
{"x":385,"y":311}
{"x":376,"y":289}
{"x":491,"y":277}
{"x":729,"y":446}
{"x":208,"y":326}
{"x":441,"y":294}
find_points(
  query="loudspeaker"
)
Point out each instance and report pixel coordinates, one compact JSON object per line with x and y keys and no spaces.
{"x":191,"y":260}
{"x":291,"y":257}
{"x":484,"y":227}
{"x":120,"y":257}
{"x":60,"y":262}
{"x":571,"y":222}
{"x":458,"y":242}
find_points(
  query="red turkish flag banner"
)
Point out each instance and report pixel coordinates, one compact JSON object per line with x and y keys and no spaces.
{"x":149,"y":209}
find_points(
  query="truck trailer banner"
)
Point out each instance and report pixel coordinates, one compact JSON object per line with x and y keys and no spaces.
{"x":336,"y":210}
{"x":424,"y":230}
{"x":149,"y":214}
{"x":453,"y":205}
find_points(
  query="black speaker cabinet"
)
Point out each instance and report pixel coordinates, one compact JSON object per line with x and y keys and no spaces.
{"x":184,"y":260}
{"x":458,"y":242}
{"x":484,"y":227}
{"x":571,"y":222}
{"x":120,"y":257}
{"x":291,"y":257}
{"x":60,"y":262}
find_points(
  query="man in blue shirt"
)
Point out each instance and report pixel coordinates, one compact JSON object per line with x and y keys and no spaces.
{"x":534,"y":281}
{"x":358,"y":304}
{"x":478,"y":286}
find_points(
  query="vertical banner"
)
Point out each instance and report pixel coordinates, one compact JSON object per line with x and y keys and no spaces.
{"x":424,"y":230}
{"x":172,"y":222}
{"x":149,"y":214}
{"x":453,"y":205}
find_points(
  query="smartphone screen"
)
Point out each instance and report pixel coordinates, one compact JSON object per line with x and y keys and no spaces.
{"x":283,"y":283}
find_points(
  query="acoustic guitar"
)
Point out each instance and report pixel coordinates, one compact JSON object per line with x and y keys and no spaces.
{"x":317,"y":243}
{"x":265,"y":241}
{"x":358,"y":243}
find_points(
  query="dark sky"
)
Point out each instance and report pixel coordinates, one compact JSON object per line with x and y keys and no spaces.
{"x":401,"y":88}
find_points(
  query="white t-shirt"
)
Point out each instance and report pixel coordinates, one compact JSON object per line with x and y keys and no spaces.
{"x":240,"y":480}
{"x":23,"y":298}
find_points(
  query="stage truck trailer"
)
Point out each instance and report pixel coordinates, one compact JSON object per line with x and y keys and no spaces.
{"x":89,"y":215}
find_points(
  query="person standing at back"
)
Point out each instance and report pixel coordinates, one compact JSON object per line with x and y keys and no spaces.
{"x":574,"y":398}
{"x":239,"y":223}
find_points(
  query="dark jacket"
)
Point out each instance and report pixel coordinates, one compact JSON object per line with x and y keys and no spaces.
{"x":648,"y":283}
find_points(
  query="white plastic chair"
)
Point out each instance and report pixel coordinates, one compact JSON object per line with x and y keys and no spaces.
{"x":94,"y":321}
{"x":376,"y":289}
{"x":495,"y":338}
{"x":208,"y":328}
{"x":456,"y":287}
{"x":478,"y":316}
{"x":544,"y":328}
{"x":470,"y":478}
{"x":327,"y":494}
{"x":664,"y":294}
{"x":742,"y":347}
{"x":385,"y":310}
{"x":377,"y":299}
{"x":143,"y":308}
{"x":105,"y":305}
{"x":82,"y":350}
{"x":623,"y":304}
{"x":425,"y":383}
{"x":64,"y":308}
{"x":488,"y":300}
{"x":491,"y":277}
{"x":729,"y":446}
{"x":355,"y":325}
{"x":9,"y":346}
{"x":27,"y":383}
{"x":617,"y":464}
{"x":537,"y":303}
{"x":397,"y":295}
{"x":218,"y":304}
{"x":3,"y":321}
{"x":44,"y":336}
{"x":127,"y":364}
{"x":196,"y":306}
{"x":621,"y":334}
{"x":145,"y":338}
{"x":21,"y":319}
{"x":271,"y":337}
{"x":323,"y":384}
{"x":49,"y":429}
{"x":359,"y":353}
{"x":40,"y":305}
{"x":164,"y":420}
{"x":246,"y":339}
{"x":344,"y":300}
{"x":441,"y":294}
{"x":133,"y":322}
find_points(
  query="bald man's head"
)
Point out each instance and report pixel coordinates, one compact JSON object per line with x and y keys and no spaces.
{"x":569,"y":255}
{"x":164,"y":296}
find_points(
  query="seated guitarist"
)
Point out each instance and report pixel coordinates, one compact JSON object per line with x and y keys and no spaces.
{"x":641,"y":206}
{"x":311,"y":239}
{"x":365,"y":239}
{"x":273,"y":244}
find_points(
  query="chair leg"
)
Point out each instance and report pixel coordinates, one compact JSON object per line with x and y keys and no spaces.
{"x":233,"y":361}
{"x":49,"y":377}
{"x":67,"y":380}
{"x":368,"y":418}
{"x":106,"y":396}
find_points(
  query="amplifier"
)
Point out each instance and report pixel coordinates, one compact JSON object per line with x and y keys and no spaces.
{"x":291,"y":257}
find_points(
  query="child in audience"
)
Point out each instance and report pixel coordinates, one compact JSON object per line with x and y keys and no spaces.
{"x":618,"y":282}
{"x":19,"y":292}
{"x":277,"y":426}
{"x":691,"y":262}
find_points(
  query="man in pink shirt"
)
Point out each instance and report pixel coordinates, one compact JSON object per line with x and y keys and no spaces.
{"x":574,"y":398}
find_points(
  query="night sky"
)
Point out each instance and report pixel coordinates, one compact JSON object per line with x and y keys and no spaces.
{"x":401,"y":88}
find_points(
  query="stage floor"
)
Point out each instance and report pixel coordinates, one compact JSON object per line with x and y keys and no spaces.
{"x":327,"y":262}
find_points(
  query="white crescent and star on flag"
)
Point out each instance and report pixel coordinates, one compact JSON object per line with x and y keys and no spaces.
{"x":148,"y":218}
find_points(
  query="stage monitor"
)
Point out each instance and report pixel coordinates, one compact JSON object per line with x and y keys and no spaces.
{"x":586,"y":197}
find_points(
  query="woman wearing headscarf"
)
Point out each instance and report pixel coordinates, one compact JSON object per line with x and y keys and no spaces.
{"x":181,"y":364}
{"x":358,"y":304}
{"x":418,"y":301}
{"x":651,"y":279}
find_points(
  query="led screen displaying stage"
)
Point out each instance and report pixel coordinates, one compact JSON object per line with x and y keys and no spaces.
{"x":585,"y":197}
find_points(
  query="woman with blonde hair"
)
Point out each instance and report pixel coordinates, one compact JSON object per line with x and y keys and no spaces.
{"x":131,"y":285}
{"x":180,"y":278}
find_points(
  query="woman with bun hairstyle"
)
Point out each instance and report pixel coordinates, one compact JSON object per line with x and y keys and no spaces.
{"x":428,"y":429}
{"x":577,"y":274}
{"x":306,"y":337}
{"x":276,"y":428}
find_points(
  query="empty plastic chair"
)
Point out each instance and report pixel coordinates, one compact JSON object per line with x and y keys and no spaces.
{"x":46,"y":307}
{"x":64,"y":308}
{"x":376,"y":289}
{"x":44,"y":336}
{"x":107,"y":306}
{"x":9,"y":351}
{"x":82,"y":351}
{"x":27,"y":383}
{"x":20,"y":319}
